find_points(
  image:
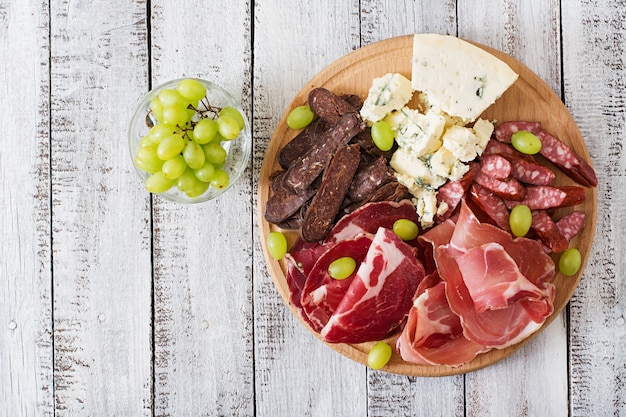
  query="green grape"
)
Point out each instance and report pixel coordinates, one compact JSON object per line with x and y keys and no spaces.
{"x":570,"y":261}
{"x":276,"y":245}
{"x":193,"y":154}
{"x":174,"y":168}
{"x":342,"y":268}
{"x":170,"y":146}
{"x":172,"y":98}
{"x":146,"y":141}
{"x":220,"y":179}
{"x":205,"y":131}
{"x":159,"y":131}
{"x":157,"y":183}
{"x":234,"y":113}
{"x":192,"y":90}
{"x":300,"y":117}
{"x":379,"y":355}
{"x":405,"y":229}
{"x":383,"y":135}
{"x":157,"y":109}
{"x":175,"y":115}
{"x":520,"y":220}
{"x":187,"y":181}
{"x":205,"y":172}
{"x":198,"y":189}
{"x":147,"y":160}
{"x":526,"y":142}
{"x":228,"y":127}
{"x":214,"y":153}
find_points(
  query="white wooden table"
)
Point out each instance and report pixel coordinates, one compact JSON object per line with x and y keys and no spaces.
{"x":113,"y":303}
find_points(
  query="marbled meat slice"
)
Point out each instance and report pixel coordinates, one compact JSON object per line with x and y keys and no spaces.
{"x":380,"y":295}
{"x":322,"y":293}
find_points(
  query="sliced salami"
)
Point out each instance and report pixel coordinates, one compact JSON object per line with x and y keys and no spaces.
{"x":542,"y":197}
{"x":530,"y":172}
{"x":452,"y":192}
{"x":571,"y":225}
{"x":548,"y":232}
{"x":504,"y":149}
{"x":495,"y":166}
{"x":492,"y":205}
{"x":568,"y":161}
{"x":511,"y":189}
{"x":505,"y":130}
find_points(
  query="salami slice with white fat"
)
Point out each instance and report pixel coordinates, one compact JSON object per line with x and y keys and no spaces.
{"x":571,"y":225}
{"x":530,"y":172}
{"x":496,"y":166}
{"x":548,"y":232}
{"x":510,"y":189}
{"x":452,"y":192}
{"x":505,"y":130}
{"x":492,"y":205}
{"x":568,"y":161}
{"x":542,"y":197}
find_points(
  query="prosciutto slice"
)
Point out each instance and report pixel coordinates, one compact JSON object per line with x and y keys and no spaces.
{"x":380,"y":294}
{"x":433,"y":334}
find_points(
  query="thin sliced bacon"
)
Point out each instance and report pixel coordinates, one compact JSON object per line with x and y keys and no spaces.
{"x":380,"y":295}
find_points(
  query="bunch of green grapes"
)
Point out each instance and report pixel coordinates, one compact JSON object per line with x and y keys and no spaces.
{"x":184,"y":147}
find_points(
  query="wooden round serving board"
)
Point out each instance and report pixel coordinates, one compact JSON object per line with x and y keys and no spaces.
{"x":528,"y":99}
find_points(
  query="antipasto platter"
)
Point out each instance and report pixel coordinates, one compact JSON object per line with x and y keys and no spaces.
{"x":527,"y":99}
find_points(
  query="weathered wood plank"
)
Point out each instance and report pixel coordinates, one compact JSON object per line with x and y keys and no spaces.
{"x":594,"y":55}
{"x":529,"y":31}
{"x":203,"y":253}
{"x":100,"y":217}
{"x":296,"y":374}
{"x":394,"y":395}
{"x":26,"y":379}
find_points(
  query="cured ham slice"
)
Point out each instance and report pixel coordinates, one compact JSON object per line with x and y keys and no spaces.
{"x":380,"y":294}
{"x":433,"y":334}
{"x":321,"y":293}
{"x":369,"y":217}
{"x":501,"y":327}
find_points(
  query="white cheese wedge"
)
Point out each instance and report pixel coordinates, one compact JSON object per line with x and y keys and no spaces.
{"x":457,"y":77}
{"x":388,"y":93}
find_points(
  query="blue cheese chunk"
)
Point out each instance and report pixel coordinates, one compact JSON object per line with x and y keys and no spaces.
{"x":388,"y":93}
{"x":417,"y":172}
{"x":457,"y":77}
{"x":418,"y":133}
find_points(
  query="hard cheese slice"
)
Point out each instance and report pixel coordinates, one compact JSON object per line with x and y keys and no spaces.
{"x":456,"y":76}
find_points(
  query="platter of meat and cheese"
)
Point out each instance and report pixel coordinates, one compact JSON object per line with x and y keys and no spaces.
{"x":469,"y":289}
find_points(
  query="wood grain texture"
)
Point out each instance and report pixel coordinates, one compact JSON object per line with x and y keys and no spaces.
{"x":594,"y":55}
{"x":26,"y":376}
{"x":295,"y":375}
{"x":203,"y":253}
{"x":100,"y":233}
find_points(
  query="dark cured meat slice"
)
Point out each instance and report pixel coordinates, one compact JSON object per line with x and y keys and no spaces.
{"x":452,"y":192}
{"x":368,"y":178}
{"x":283,"y":203}
{"x":325,"y":205}
{"x":571,"y":225}
{"x":380,"y":295}
{"x":321,"y":293}
{"x":433,"y":334}
{"x":300,"y":144}
{"x":492,"y":205}
{"x":567,"y":160}
{"x":303,"y":172}
{"x":369,"y":217}
{"x":511,"y":189}
{"x":495,"y":166}
{"x":328,"y":106}
{"x":548,"y":232}
{"x":505,"y":130}
{"x":541,"y":197}
{"x":368,"y":147}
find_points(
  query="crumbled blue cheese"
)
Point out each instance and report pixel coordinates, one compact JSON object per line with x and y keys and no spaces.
{"x":388,"y":93}
{"x":418,"y":133}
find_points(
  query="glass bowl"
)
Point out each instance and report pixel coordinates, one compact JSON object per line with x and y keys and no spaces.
{"x":238,"y":149}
